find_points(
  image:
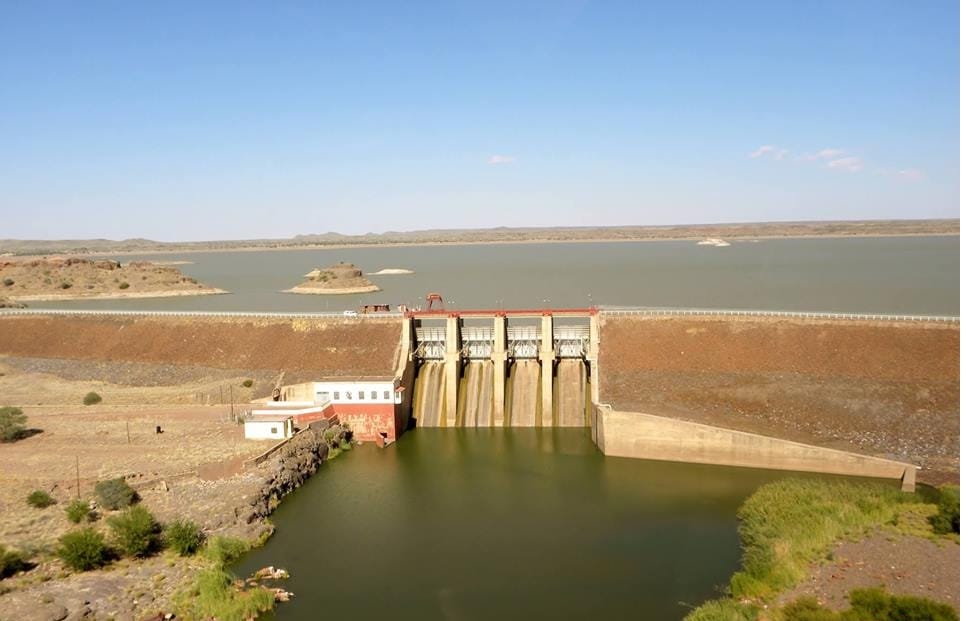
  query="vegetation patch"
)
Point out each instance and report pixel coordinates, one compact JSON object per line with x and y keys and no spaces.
{"x":184,"y":537}
{"x":216,"y":594}
{"x":135,"y":531}
{"x":947,"y":519}
{"x":39,"y":499}
{"x":79,"y":511}
{"x":247,"y":383}
{"x":12,"y":423}
{"x":92,"y":398}
{"x":115,"y":494}
{"x":11,"y":562}
{"x":872,"y":605}
{"x":83,"y":549}
{"x":787,"y":525}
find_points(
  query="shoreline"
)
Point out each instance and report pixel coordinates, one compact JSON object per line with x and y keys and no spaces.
{"x":416,"y":244}
{"x":169,"y":293}
{"x":333,"y":291}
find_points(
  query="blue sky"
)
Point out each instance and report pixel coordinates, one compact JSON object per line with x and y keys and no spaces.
{"x":214,"y":120}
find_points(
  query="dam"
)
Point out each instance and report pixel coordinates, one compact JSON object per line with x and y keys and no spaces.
{"x":494,"y":368}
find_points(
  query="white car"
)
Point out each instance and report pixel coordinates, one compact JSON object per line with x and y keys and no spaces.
{"x":349,"y":313}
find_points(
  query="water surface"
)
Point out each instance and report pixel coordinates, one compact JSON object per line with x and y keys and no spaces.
{"x":505,"y":524}
{"x":906,"y":275}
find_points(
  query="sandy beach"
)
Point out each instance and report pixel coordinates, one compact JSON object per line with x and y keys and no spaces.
{"x":119,"y":295}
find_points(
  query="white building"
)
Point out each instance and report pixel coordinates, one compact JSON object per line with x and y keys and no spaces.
{"x":269,"y":427}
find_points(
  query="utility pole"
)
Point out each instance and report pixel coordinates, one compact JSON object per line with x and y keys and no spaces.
{"x":127,"y":430}
{"x":77,"y":474}
{"x":232,"y":412}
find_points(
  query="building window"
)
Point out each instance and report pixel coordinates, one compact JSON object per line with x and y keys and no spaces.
{"x":387,"y":395}
{"x":349,"y":395}
{"x":325,"y":396}
{"x":272,"y":431}
{"x":336,"y":396}
{"x":373,"y":395}
{"x":361,"y":393}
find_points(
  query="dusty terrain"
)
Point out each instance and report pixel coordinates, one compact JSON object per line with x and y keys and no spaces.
{"x":77,"y":278}
{"x":499,"y":235}
{"x":902,"y":564}
{"x":342,"y":278}
{"x":885,"y":389}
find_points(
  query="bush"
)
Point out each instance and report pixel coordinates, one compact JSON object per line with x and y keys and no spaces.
{"x":214,"y":596}
{"x":115,"y":494}
{"x":66,"y":285}
{"x":79,"y":511}
{"x":12,"y":423}
{"x":83,"y":549}
{"x":135,"y":532}
{"x":184,"y":537}
{"x":91,"y":398}
{"x":723,"y":610}
{"x":224,"y":550}
{"x":123,"y":285}
{"x":8,"y":282}
{"x":40,"y":499}
{"x":871,"y":605}
{"x":247,"y":383}
{"x":947,"y":520}
{"x":11,"y":562}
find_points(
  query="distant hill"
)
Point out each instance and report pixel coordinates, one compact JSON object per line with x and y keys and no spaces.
{"x":497,"y":235}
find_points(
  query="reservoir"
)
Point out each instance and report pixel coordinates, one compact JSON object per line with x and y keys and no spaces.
{"x":900,"y":275}
{"x":505,"y":524}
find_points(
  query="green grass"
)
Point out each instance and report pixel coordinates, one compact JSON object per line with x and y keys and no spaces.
{"x":871,"y":605}
{"x":787,"y":525}
{"x":214,"y":595}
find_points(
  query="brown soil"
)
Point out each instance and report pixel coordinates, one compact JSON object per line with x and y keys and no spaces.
{"x":76,"y":278}
{"x":323,"y":347}
{"x":336,"y":279}
{"x":886,"y":389}
{"x":901,"y":564}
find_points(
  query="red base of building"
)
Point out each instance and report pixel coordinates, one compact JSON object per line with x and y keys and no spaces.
{"x":368,"y":421}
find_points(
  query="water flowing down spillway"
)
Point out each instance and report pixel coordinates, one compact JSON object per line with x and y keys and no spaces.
{"x":569,"y":388}
{"x":523,"y":400}
{"x":522,"y":395}
{"x":476,"y":395}
{"x":428,"y":405}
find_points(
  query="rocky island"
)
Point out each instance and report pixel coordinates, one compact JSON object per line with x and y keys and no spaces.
{"x":74,"y":278}
{"x":342,"y":278}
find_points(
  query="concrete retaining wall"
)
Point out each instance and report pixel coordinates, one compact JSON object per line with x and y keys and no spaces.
{"x":644,"y":436}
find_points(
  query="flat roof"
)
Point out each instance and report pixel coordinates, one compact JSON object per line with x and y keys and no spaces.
{"x":273,"y":418}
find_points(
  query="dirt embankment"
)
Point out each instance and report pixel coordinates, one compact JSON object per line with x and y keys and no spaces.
{"x":325,"y":347}
{"x":881,"y":388}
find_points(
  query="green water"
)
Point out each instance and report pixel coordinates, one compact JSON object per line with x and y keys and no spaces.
{"x":903,"y":275}
{"x":505,"y":524}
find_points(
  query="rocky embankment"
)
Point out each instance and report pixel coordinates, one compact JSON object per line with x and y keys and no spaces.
{"x":78,"y":278}
{"x":889,"y":389}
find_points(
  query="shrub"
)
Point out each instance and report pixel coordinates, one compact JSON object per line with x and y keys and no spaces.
{"x":184,"y":537}
{"x":123,"y":285}
{"x":214,"y":596}
{"x":135,"y":532}
{"x":808,"y":609}
{"x":91,"y":398}
{"x":12,"y":423}
{"x":79,"y":511}
{"x":66,"y":285}
{"x":39,"y":499}
{"x":947,"y":520}
{"x":11,"y":562}
{"x":247,"y":383}
{"x":83,"y":549}
{"x":871,"y":605}
{"x":224,"y":550}
{"x":8,"y":282}
{"x":114,"y":493}
{"x":723,"y":610}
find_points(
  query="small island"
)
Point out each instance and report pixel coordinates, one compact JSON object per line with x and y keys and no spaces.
{"x":339,"y":279}
{"x":75,"y":278}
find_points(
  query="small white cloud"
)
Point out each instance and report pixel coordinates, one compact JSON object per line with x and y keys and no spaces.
{"x":824,"y":154}
{"x":847,"y":164}
{"x":768,"y":149}
{"x":498,"y":160}
{"x":909,"y":174}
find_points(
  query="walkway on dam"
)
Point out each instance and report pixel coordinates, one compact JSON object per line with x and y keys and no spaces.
{"x":614,"y":311}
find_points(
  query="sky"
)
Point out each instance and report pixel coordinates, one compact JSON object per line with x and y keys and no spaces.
{"x":231,"y":120}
